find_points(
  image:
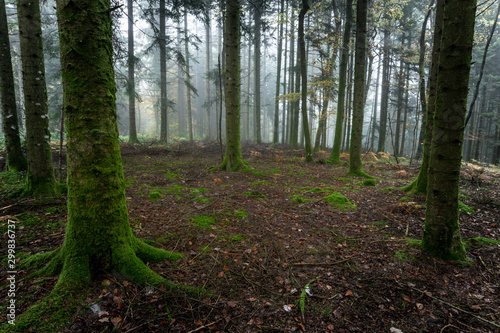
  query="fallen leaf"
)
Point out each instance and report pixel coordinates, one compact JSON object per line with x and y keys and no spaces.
{"x":231,"y":304}
{"x":221,"y":274}
{"x":116,"y":321}
{"x":407,"y":298}
{"x":330,"y":327}
{"x":349,"y":293}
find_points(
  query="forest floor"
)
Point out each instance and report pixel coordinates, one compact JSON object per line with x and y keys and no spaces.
{"x":277,"y":249}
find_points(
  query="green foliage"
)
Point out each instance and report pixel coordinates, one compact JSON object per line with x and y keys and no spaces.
{"x":155,"y":194}
{"x":339,"y":201}
{"x":382,"y":224}
{"x":203,"y":221}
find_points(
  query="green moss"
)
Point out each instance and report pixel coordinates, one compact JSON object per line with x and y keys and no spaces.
{"x":314,"y":190}
{"x":155,"y":194}
{"x":413,"y":242}
{"x":198,"y":190}
{"x":175,"y":189}
{"x":51,"y":314}
{"x":340,"y":201}
{"x":203,"y":221}
{"x":403,"y":255}
{"x":239,"y":238}
{"x":202,"y":199}
{"x":240,"y":213}
{"x":382,"y":224}
{"x":255,"y":194}
{"x":299,"y":199}
{"x":481,"y":241}
{"x":368,"y":182}
{"x":464,"y":208}
{"x":259,"y":182}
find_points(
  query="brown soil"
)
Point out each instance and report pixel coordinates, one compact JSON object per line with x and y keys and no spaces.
{"x":254,"y":249}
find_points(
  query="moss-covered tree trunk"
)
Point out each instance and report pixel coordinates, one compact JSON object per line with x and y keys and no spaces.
{"x":441,"y":237}
{"x":132,"y":132}
{"x":337,"y":141}
{"x":303,"y":75}
{"x":98,"y":234}
{"x":40,"y":178}
{"x":359,"y":91}
{"x":233,"y":159}
{"x":15,"y":158}
{"x":419,"y":185}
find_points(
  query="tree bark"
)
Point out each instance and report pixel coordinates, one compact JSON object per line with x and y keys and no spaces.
{"x":188,"y":80}
{"x":233,"y":160}
{"x":441,"y":236}
{"x":163,"y":77}
{"x":278,"y":78}
{"x":40,"y":179}
{"x":359,"y":91}
{"x":132,"y":132}
{"x":335,"y":154}
{"x":257,"y":55}
{"x":15,"y":158}
{"x":384,"y":99}
{"x":303,"y":73}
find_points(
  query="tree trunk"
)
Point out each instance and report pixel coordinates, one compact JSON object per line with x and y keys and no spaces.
{"x":335,"y":155}
{"x":257,"y":54}
{"x":188,"y":79}
{"x":233,"y":161}
{"x":291,"y":79}
{"x":276,"y":128}
{"x":374,"y":118}
{"x":208,"y":90}
{"x":441,"y":236}
{"x":163,"y":77}
{"x":40,"y":178}
{"x":132,"y":130}
{"x":384,"y":100}
{"x":419,"y":186}
{"x":303,"y":72}
{"x":15,"y":158}
{"x":359,"y":91}
{"x":284,"y":103}
{"x":98,"y":239}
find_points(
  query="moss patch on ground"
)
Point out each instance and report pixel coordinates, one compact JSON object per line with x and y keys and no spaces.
{"x":339,"y":201}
